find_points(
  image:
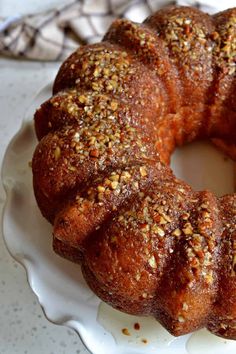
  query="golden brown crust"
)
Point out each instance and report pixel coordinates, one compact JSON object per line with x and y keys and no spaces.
{"x":147,"y":242}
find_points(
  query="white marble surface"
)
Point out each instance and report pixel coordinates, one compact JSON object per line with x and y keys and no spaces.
{"x":13,"y":7}
{"x":23,"y":326}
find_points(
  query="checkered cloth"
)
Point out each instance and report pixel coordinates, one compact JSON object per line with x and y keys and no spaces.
{"x":53,"y":35}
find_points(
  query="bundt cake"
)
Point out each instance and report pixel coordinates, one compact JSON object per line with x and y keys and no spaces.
{"x":148,"y":244}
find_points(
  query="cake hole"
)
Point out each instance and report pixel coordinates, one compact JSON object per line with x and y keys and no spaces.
{"x":203,"y":166}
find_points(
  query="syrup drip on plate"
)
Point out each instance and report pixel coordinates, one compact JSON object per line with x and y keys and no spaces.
{"x":204,"y":342}
{"x":133,"y":330}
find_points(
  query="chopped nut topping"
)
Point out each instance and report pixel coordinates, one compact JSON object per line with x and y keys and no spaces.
{"x":143,"y":171}
{"x":167,"y":218}
{"x":114,"y":177}
{"x":94,"y":153}
{"x":209,"y":278}
{"x":233,"y":272}
{"x":77,"y":137}
{"x":82,"y":99}
{"x":113,"y":239}
{"x":185,"y":216}
{"x":158,"y":230}
{"x":125,"y":176}
{"x":57,"y":153}
{"x":204,"y":206}
{"x":176,"y":232}
{"x":114,"y":105}
{"x":188,"y":230}
{"x":114,"y":184}
{"x":152,"y":262}
{"x":162,"y":221}
{"x":100,"y":196}
{"x":101,"y":189}
{"x":181,"y":319}
{"x":205,"y":214}
{"x":71,"y":168}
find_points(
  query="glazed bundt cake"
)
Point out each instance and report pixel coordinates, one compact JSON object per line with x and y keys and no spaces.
{"x":147,"y":243}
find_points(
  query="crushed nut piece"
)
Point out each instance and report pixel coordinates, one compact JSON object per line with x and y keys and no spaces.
{"x":143,"y":171}
{"x":176,"y":232}
{"x":152,"y":262}
{"x":57,"y":153}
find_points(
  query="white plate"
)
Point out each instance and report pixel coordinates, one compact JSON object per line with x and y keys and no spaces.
{"x":59,"y":285}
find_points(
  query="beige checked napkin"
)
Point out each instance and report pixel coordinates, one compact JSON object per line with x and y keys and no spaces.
{"x":53,"y":35}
